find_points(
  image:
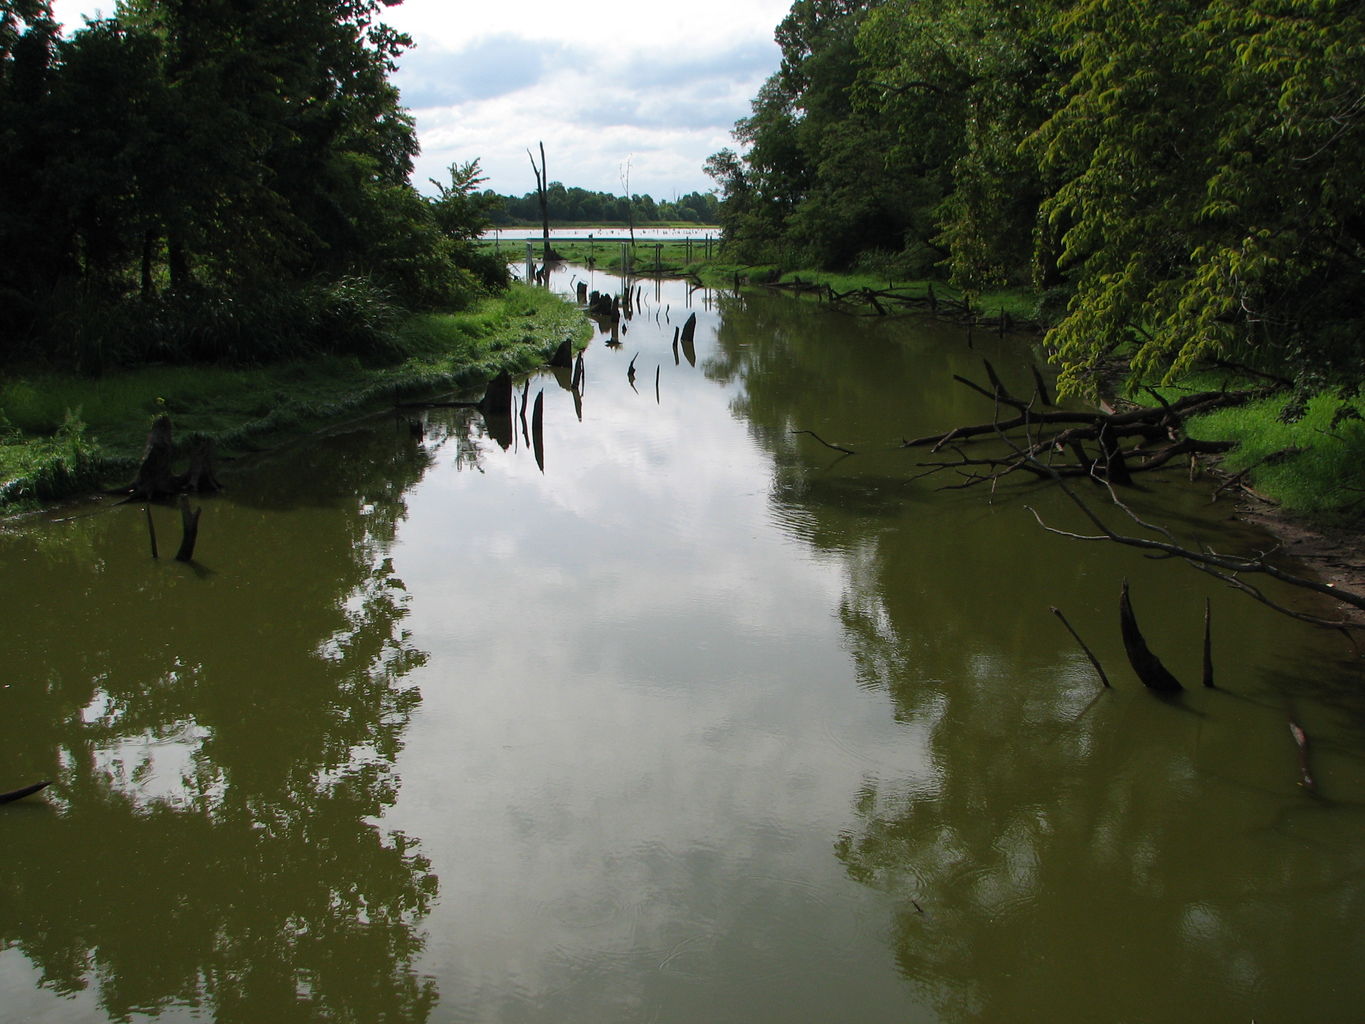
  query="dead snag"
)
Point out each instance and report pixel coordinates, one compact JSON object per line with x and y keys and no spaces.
{"x":1088,"y":653}
{"x":563,"y":357}
{"x":689,"y":329}
{"x":151,"y":529}
{"x":538,"y":429}
{"x":19,"y":794}
{"x":1154,"y":675}
{"x":189,"y":522}
{"x":154,"y":476}
{"x":1208,"y":645}
{"x":497,"y":397}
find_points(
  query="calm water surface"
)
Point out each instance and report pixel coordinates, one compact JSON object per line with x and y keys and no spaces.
{"x":703,"y":721}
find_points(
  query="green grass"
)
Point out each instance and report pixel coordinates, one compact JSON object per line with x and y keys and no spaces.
{"x":61,"y":433}
{"x":1322,"y":468}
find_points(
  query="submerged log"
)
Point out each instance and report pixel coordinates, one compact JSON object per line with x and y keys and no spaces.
{"x":1149,"y":669}
{"x":19,"y":794}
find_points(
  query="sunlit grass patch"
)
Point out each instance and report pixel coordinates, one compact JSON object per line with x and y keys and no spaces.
{"x":1314,"y":462}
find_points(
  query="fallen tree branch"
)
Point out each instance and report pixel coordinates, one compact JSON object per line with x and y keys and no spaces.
{"x":1226,"y":568}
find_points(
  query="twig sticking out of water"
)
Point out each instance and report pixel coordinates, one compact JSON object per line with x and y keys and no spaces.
{"x":1088,"y":653}
{"x":837,"y":448}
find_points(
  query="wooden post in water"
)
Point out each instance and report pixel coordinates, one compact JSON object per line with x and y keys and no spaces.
{"x":189,"y":521}
{"x":151,"y":529}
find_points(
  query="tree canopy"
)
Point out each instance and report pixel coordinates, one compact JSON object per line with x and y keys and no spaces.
{"x":202,"y":159}
{"x":1178,"y":179}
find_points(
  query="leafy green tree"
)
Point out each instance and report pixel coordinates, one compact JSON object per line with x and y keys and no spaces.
{"x":1210,"y":200}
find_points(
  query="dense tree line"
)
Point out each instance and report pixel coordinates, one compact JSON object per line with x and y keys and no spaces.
{"x":585,"y":207}
{"x":1179,"y":179}
{"x":216,"y":179}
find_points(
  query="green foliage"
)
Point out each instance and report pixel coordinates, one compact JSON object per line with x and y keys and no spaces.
{"x":198,"y":181}
{"x":47,"y":453}
{"x":47,"y":468}
{"x":1312,"y":461}
{"x":1180,"y":179}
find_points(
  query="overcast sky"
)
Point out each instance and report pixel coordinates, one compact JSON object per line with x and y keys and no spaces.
{"x":605,"y":84}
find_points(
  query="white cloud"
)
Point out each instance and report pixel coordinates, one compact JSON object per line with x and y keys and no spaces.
{"x":600,"y":83}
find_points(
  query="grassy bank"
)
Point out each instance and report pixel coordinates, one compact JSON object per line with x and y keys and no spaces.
{"x":61,"y":434}
{"x":1306,"y":453}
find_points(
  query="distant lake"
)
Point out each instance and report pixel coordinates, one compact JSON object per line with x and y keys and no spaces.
{"x":644,"y":234}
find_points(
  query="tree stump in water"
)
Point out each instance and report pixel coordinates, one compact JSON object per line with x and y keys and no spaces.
{"x":497,"y":397}
{"x":563,"y":357}
{"x":154,"y":477}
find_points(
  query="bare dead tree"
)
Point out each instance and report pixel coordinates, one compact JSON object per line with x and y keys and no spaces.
{"x":542,"y":193}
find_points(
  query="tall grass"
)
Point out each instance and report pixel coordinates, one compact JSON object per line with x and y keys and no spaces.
{"x":1310,"y":456}
{"x":47,"y":451}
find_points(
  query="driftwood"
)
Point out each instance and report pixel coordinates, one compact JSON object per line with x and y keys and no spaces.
{"x":19,"y":794}
{"x":1121,"y":444}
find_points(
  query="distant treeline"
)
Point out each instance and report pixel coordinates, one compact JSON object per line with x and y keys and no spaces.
{"x":581,"y":206}
{"x":1179,"y":179}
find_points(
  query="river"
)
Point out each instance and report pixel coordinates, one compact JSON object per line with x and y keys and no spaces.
{"x":690,"y":718}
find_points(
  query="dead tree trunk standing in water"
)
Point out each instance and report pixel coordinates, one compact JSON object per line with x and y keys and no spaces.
{"x":542,"y":193}
{"x":189,"y":522}
{"x":1154,"y":675}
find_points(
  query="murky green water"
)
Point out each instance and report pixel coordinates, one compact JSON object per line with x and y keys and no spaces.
{"x":704,"y":721}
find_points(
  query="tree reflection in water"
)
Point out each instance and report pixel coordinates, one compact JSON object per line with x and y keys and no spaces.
{"x":221,"y":742}
{"x":1113,"y":858}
